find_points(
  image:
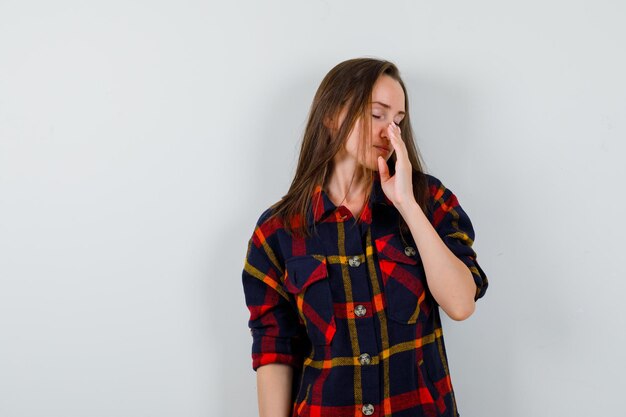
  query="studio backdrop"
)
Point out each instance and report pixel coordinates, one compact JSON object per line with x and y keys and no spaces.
{"x":141,"y":140}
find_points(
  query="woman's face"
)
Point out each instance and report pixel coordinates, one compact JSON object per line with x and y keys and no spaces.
{"x":387,"y":107}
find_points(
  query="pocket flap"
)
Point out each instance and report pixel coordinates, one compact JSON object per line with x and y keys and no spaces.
{"x":391,"y":247}
{"x":302,"y":271}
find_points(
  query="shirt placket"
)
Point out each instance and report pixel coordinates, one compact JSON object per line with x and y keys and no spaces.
{"x":366,"y":349}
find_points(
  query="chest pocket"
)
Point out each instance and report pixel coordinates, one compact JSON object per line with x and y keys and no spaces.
{"x":307,"y":279}
{"x":404,"y":281}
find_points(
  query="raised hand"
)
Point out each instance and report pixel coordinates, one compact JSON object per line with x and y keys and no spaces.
{"x":399,"y":187}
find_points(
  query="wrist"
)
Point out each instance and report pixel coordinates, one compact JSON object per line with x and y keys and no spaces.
{"x":410,"y":205}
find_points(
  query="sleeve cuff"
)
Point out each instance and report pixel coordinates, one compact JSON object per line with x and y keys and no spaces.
{"x":260,"y":359}
{"x":480,"y":279}
{"x":270,"y":349}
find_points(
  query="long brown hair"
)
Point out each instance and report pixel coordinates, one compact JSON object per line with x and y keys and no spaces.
{"x":349,"y":84}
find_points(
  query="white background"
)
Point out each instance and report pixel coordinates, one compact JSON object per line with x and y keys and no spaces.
{"x":140,"y":141}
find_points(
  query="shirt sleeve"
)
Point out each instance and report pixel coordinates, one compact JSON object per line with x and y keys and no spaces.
{"x":455,"y":228}
{"x":278,"y":336}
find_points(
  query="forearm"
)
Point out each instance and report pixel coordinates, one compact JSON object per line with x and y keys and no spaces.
{"x":274,"y":390}
{"x":450,"y":281}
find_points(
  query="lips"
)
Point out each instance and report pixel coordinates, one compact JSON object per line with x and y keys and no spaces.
{"x":383,"y":148}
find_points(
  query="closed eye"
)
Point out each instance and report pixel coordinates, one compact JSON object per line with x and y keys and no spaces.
{"x":376,"y":116}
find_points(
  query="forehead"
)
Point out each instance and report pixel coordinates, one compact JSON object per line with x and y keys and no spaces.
{"x":389,"y":91}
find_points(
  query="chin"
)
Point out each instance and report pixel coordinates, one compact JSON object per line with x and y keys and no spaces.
{"x":371,"y":165}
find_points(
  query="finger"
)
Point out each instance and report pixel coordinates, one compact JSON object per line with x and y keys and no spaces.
{"x":396,"y":142}
{"x":383,"y":170}
{"x":393,"y":130}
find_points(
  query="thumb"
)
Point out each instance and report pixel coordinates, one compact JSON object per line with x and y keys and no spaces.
{"x":383,"y":170}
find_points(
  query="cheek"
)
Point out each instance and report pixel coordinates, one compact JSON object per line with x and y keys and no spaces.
{"x":352,"y":143}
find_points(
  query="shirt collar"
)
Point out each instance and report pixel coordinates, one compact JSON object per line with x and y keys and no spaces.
{"x":322,"y":206}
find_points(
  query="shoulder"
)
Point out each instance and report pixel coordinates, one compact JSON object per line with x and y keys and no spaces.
{"x":436,"y":188}
{"x":443,"y":201}
{"x":265,"y":238}
{"x":265,"y":216}
{"x":267,"y":224}
{"x":433,"y":183}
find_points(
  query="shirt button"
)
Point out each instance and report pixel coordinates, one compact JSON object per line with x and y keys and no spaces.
{"x":368,"y":409}
{"x":354,"y":261}
{"x":360,"y":310}
{"x":365,"y":359}
{"x":409,"y":251}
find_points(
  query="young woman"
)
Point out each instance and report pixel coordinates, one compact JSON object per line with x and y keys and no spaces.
{"x":344,"y":276}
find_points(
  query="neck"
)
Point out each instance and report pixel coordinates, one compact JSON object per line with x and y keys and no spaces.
{"x":342,"y":188}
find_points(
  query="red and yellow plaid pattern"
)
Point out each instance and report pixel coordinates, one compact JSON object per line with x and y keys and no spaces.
{"x":350,"y":310}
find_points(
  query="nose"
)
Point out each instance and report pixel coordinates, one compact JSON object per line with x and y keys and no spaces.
{"x":381,"y":128}
{"x":384,"y":134}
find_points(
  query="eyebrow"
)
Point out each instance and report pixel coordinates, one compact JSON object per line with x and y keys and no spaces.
{"x":387,"y":106}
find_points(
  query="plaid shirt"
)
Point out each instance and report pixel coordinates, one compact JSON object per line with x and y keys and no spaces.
{"x":350,"y":309}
